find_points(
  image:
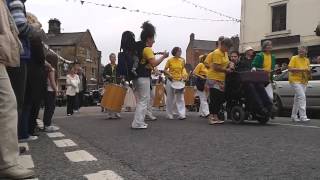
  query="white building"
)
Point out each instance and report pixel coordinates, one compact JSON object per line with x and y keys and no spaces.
{"x":287,"y":23}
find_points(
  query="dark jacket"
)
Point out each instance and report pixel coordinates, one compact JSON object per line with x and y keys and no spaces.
{"x":244,"y":65}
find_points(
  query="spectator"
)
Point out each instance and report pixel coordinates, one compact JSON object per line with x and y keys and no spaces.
{"x":10,"y":49}
{"x":72,"y":89}
{"x":18,"y":75}
{"x":50,"y":97}
{"x":82,"y":87}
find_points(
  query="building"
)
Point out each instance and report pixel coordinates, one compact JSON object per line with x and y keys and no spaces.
{"x":199,"y":47}
{"x":196,"y":48}
{"x":287,"y":23}
{"x":77,"y":47}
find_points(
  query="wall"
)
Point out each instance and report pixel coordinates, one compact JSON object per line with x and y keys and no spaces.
{"x":256,"y":21}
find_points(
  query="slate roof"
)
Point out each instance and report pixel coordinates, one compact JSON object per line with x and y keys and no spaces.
{"x":204,"y":45}
{"x":64,"y":39}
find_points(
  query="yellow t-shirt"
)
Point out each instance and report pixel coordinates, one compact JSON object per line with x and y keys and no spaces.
{"x":176,"y":68}
{"x":201,"y":70}
{"x":301,"y":63}
{"x":147,"y":54}
{"x":217,"y":57}
{"x":267,"y":62}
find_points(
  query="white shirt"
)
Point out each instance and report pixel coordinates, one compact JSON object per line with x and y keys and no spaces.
{"x":72,"y":85}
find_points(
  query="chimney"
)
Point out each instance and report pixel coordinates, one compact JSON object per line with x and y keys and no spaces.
{"x":54,"y":26}
{"x":192,"y":36}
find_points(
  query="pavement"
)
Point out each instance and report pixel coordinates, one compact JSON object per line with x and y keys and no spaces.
{"x":89,"y":146}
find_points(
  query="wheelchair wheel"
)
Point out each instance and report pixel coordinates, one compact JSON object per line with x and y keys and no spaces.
{"x":237,"y":114}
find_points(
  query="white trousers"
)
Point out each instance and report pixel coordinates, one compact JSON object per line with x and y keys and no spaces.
{"x":142,"y":88}
{"x":150,"y":105}
{"x":204,"y":106}
{"x":269,"y":90}
{"x":175,"y":100}
{"x":8,"y":122}
{"x":299,"y":103}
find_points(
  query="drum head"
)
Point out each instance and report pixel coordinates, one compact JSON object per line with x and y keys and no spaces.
{"x":177,"y":85}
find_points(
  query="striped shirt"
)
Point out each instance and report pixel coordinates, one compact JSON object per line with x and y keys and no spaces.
{"x":18,"y":13}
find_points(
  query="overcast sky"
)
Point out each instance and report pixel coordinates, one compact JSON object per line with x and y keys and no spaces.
{"x":107,"y":24}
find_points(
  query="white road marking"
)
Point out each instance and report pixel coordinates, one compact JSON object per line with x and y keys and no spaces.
{"x":24,"y":145}
{"x":65,"y":143}
{"x":79,"y":156}
{"x":26,"y":161}
{"x":104,"y":175}
{"x":55,"y":135}
{"x":296,"y":125}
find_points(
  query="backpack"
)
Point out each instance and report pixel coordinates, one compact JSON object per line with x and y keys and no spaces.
{"x":124,"y":67}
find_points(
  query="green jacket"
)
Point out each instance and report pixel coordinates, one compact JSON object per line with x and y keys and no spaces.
{"x":258,"y":62}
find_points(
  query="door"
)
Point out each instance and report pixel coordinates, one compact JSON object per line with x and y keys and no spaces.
{"x":313,"y":88}
{"x":284,"y":90}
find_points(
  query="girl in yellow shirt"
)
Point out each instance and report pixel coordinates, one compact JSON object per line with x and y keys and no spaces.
{"x":299,"y":71}
{"x":219,"y":64}
{"x":175,"y":71}
{"x":201,"y":73}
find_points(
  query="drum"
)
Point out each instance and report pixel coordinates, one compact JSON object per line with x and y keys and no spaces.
{"x":113,"y":97}
{"x":177,"y":85}
{"x":159,"y":99}
{"x":189,"y":95}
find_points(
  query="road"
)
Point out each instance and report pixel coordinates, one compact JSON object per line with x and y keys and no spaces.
{"x":176,"y":150}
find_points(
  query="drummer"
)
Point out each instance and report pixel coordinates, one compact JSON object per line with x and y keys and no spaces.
{"x":174,"y":70}
{"x":146,"y":64}
{"x":201,"y":72}
{"x":109,"y":74}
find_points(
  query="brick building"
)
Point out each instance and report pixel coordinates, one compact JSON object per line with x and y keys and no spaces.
{"x":197,"y":48}
{"x":78,"y":47}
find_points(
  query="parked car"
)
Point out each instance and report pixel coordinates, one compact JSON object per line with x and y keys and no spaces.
{"x":284,"y":94}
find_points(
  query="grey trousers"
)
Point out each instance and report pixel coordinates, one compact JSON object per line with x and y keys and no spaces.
{"x":8,"y":122}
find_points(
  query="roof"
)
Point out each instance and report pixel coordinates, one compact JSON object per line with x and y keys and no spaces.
{"x":204,"y":45}
{"x":64,"y":39}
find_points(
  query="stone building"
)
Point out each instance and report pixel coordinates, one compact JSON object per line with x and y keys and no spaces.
{"x":78,"y":47}
{"x":287,"y":23}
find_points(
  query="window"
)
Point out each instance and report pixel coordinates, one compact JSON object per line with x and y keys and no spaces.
{"x":88,"y":54}
{"x":279,"y":18}
{"x":282,"y":77}
{"x":93,"y":72}
{"x":57,"y":50}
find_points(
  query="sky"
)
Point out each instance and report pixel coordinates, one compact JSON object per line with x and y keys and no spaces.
{"x":107,"y":24}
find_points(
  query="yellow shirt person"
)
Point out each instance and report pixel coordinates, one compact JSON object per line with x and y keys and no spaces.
{"x":176,"y":68}
{"x":267,"y":63}
{"x":220,"y":58}
{"x":299,"y":63}
{"x":201,"y":70}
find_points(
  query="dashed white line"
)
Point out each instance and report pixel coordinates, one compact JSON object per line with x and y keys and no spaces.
{"x":24,"y":145}
{"x":79,"y":156}
{"x":26,"y":161}
{"x":296,"y":125}
{"x":104,"y":175}
{"x":55,"y":135}
{"x":65,"y":143}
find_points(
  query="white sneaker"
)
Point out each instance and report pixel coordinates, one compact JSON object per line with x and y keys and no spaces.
{"x":51,"y":128}
{"x":30,"y":138}
{"x":117,"y":115}
{"x":151,"y":117}
{"x":145,"y":126}
{"x":170,"y":117}
{"x":305,"y":119}
{"x":16,"y":172}
{"x":69,"y":114}
{"x":295,"y":119}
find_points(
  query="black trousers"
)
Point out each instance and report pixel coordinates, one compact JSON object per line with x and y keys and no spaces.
{"x":217,"y":98}
{"x":49,"y":107}
{"x":35,"y":93}
{"x":18,"y":79}
{"x":70,"y":104}
{"x":79,"y":100}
